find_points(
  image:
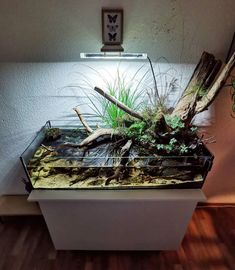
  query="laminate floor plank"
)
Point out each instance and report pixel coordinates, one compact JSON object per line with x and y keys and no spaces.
{"x":209,"y":244}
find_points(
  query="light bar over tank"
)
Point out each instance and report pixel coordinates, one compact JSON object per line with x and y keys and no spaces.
{"x":114,"y":55}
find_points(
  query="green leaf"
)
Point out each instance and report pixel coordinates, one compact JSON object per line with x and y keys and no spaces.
{"x":172,"y":141}
{"x":183,"y":149}
{"x":174,"y":122}
{"x":160,"y":146}
{"x":193,"y":128}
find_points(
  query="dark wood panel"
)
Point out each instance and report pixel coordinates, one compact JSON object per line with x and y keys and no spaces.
{"x":209,"y":243}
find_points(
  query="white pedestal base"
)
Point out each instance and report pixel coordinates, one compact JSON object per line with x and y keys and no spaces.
{"x":117,"y":220}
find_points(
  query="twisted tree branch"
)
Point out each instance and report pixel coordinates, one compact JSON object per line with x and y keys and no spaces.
{"x":118,"y":103}
{"x":83,"y":121}
{"x":99,"y":133}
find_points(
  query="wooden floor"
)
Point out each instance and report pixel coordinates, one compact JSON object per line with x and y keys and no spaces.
{"x":209,"y":244}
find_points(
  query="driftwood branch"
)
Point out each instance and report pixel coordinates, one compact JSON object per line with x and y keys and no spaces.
{"x":203,"y":75}
{"x":126,"y":147}
{"x":83,"y":121}
{"x":218,"y":84}
{"x":118,"y":103}
{"x":101,"y":132}
{"x":48,"y":148}
{"x":116,"y":175}
{"x":67,"y":145}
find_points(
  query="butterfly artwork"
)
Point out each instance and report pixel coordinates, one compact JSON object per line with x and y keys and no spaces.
{"x":112,"y":37}
{"x":112,"y":20}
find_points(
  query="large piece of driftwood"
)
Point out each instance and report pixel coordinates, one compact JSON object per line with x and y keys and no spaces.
{"x":83,"y":121}
{"x":100,"y":132}
{"x":218,"y":84}
{"x":203,"y":75}
{"x":118,"y":103}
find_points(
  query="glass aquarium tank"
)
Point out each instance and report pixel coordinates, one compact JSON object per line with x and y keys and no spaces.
{"x":56,"y":160}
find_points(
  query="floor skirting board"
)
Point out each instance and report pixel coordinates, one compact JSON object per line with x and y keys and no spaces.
{"x":17,"y":205}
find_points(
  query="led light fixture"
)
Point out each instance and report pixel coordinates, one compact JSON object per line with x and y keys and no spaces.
{"x":114,"y":55}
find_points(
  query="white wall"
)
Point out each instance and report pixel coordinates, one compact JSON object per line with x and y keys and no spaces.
{"x":27,"y":99}
{"x":57,"y":30}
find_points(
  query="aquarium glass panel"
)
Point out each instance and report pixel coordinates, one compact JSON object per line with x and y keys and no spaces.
{"x":54,"y":160}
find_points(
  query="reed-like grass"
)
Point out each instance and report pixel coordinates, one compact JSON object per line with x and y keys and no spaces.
{"x":127,"y":89}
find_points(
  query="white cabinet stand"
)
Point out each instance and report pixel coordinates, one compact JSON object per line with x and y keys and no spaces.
{"x":117,"y":220}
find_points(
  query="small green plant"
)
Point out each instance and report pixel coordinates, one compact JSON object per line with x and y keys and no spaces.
{"x":173,"y":147}
{"x":183,"y":149}
{"x":137,"y":128}
{"x":174,"y":122}
{"x":168,"y":147}
{"x":137,"y":131}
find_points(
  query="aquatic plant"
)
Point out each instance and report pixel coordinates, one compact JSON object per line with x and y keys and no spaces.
{"x":126,"y":93}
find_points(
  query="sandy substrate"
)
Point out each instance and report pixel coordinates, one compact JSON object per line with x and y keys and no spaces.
{"x":61,"y":181}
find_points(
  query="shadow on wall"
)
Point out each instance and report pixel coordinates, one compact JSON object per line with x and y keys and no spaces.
{"x":220,"y":184}
{"x":11,"y":182}
{"x":12,"y":145}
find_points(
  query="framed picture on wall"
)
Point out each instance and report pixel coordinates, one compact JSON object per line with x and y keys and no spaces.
{"x":231,"y":49}
{"x":112,"y":26}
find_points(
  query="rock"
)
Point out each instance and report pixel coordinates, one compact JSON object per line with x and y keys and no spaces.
{"x":52,"y":134}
